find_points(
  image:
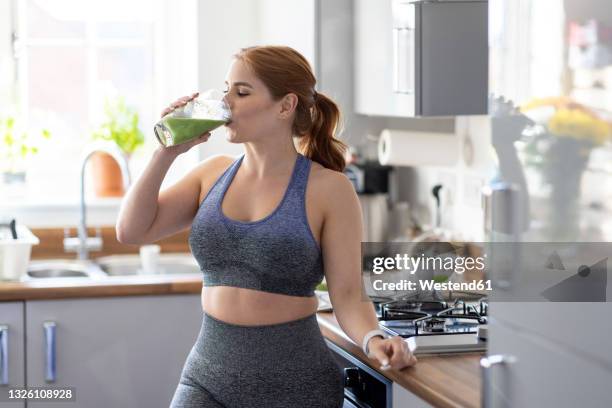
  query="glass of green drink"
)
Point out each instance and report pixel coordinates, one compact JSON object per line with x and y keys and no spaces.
{"x":206,"y":112}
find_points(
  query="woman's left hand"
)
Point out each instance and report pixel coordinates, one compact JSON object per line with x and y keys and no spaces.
{"x":391,"y":353}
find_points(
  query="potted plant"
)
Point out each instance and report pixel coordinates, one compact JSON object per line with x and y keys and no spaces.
{"x":17,"y":145}
{"x":120,"y":126}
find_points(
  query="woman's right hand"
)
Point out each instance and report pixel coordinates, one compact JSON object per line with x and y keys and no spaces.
{"x":183,"y":147}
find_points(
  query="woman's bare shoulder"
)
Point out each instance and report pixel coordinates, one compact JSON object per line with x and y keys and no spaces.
{"x":330,"y":183}
{"x":210,"y":169}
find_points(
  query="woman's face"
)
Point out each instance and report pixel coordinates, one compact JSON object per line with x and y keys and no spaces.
{"x":255,"y":114}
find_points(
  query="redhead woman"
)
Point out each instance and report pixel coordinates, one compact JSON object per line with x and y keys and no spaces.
{"x":266,"y":227}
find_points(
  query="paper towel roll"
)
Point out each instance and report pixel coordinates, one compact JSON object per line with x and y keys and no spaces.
{"x":409,"y":148}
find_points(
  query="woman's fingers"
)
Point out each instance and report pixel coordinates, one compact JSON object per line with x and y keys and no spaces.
{"x":397,"y":351}
{"x":182,"y":101}
{"x":380,"y":354}
{"x":402,"y":356}
{"x":392,"y":353}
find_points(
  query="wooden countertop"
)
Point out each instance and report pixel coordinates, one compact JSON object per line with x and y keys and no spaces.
{"x":451,"y":380}
{"x":136,"y":285}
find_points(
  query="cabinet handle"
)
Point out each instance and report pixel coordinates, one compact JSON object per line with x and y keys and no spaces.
{"x":485,"y":364}
{"x":49,"y":328}
{"x":403,"y":61}
{"x":4,"y":354}
{"x":404,"y":57}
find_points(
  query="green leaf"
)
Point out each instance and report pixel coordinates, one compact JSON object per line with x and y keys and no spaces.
{"x":120,"y":126}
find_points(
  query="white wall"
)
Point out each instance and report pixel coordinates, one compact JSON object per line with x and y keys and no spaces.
{"x":290,"y":23}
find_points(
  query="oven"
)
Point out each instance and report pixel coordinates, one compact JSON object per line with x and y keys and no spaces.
{"x":364,"y":387}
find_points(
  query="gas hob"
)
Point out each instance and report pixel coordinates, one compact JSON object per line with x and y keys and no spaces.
{"x":435,"y":326}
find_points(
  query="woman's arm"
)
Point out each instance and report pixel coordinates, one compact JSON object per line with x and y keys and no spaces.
{"x":341,"y":246}
{"x":146,"y":215}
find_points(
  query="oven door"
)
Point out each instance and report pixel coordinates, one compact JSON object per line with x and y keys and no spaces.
{"x":348,"y":403}
{"x":364,"y":387}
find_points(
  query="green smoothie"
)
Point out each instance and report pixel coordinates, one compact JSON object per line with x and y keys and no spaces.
{"x":185,"y":129}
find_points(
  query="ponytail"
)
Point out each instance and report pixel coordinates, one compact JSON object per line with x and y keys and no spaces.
{"x":320,"y":143}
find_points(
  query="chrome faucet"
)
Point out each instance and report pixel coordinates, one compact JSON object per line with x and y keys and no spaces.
{"x":82,"y":243}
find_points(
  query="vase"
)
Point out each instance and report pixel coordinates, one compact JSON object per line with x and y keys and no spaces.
{"x":563,"y":165}
{"x":107,"y":178}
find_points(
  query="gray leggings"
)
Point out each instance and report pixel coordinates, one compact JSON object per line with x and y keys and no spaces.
{"x":279,"y":365}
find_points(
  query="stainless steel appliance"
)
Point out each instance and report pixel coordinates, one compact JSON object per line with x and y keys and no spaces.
{"x":363,"y":386}
{"x":436,"y":326}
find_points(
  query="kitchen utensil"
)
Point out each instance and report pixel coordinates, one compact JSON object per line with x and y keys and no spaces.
{"x":11,"y":225}
{"x":15,"y":248}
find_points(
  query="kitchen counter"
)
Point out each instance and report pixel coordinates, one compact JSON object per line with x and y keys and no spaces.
{"x":441,"y":380}
{"x":136,"y":285}
{"x":451,"y":380}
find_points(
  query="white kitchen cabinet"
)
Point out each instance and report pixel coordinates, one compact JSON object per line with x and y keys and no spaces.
{"x":576,"y":326}
{"x":544,"y":373}
{"x":420,"y":58}
{"x":12,"y":336}
{"x":115,"y":352}
{"x":404,"y":398}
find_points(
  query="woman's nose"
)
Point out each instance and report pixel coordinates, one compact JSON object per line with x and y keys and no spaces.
{"x":227,"y":100}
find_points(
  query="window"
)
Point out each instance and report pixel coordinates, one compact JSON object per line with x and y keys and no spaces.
{"x":71,"y":56}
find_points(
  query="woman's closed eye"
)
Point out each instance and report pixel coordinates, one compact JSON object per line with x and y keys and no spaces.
{"x":239,"y":93}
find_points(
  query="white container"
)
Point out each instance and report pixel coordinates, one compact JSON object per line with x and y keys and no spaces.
{"x":15,"y":253}
{"x":149,"y":258}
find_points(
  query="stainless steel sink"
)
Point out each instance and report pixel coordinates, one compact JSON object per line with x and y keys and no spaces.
{"x":63,"y":268}
{"x":114,"y":265}
{"x":173,"y":264}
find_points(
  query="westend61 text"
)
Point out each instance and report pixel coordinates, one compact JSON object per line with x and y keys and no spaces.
{"x":432,"y":285}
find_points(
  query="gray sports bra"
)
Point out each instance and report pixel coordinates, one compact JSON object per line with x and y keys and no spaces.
{"x":275,"y":254}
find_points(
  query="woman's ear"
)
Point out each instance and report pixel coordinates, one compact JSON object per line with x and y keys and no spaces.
{"x":288,"y":105}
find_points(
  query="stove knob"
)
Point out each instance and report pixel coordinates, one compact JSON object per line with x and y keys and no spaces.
{"x":352,"y":377}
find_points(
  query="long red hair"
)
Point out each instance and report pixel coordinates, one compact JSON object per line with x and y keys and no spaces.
{"x":284,"y":70}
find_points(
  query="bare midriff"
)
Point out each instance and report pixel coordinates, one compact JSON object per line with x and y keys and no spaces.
{"x":250,"y":307}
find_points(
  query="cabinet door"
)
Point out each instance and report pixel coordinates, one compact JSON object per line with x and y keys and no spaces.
{"x":546,"y":373}
{"x":115,"y":352}
{"x":374,"y":62}
{"x":12,"y":372}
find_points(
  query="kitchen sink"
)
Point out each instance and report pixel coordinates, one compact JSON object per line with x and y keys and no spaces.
{"x":63,"y":268}
{"x":168,"y":264}
{"x":108,"y":266}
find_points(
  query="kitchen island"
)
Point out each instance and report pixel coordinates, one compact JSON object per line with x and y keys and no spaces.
{"x":440,"y":380}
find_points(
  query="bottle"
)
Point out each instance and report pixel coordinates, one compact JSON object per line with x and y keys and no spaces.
{"x":206,"y":112}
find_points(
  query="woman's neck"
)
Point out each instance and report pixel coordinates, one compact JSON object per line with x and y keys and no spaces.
{"x":269,"y":159}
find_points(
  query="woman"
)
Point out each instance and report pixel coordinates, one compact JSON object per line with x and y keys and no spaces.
{"x":265,"y":229}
